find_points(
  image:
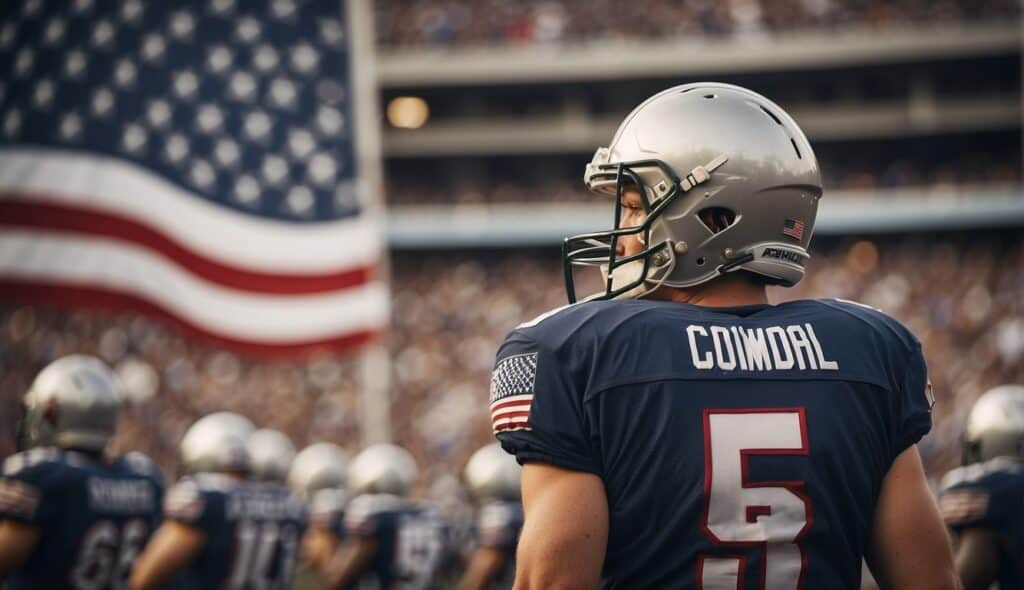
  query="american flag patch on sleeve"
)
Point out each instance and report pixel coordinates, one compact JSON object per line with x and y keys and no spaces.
{"x":18,"y":498}
{"x":512,"y":392}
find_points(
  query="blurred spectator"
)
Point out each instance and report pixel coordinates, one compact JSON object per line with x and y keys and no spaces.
{"x":405,"y":23}
{"x":963,"y":295}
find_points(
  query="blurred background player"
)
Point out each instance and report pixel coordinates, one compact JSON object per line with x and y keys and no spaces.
{"x":222,"y":531}
{"x":270,"y":456}
{"x":318,"y":475}
{"x":983,"y":501}
{"x":492,"y":477}
{"x":390,"y":541}
{"x":70,"y":517}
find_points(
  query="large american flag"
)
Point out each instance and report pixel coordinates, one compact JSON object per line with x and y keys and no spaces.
{"x":190,"y":160}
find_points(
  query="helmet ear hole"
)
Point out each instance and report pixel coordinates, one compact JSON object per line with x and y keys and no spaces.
{"x":717,"y":219}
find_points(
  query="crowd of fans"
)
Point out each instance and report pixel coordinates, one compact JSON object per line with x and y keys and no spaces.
{"x":404,"y":23}
{"x":963,"y":295}
{"x":969,"y":171}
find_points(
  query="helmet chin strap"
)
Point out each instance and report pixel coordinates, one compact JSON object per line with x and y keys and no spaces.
{"x":631,"y":272}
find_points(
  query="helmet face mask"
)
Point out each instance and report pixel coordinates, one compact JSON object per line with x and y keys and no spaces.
{"x":675,"y":142}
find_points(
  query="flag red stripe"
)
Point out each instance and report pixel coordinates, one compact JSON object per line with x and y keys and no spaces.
{"x":496,"y":417}
{"x":521,"y":402}
{"x":75,"y":297}
{"x":511,"y":425}
{"x":18,"y":212}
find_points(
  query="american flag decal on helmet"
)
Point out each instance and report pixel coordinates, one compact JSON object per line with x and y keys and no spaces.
{"x":512,"y":392}
{"x":794,"y":228}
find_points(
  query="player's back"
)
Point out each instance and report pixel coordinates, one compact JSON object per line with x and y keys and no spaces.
{"x":253,"y":531}
{"x":413,"y":541}
{"x":990,"y":495}
{"x":739,"y":448}
{"x":94,"y":516}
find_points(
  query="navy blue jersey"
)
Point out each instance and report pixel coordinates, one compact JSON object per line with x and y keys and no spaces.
{"x":739,"y":447}
{"x":413,"y":542}
{"x":253,"y":531}
{"x":94,"y":516}
{"x":498,"y":525}
{"x":990,"y":495}
{"x":327,"y":511}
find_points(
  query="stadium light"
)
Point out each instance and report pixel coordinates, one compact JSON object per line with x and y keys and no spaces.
{"x":408,"y":112}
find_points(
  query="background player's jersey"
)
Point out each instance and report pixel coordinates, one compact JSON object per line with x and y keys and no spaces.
{"x":94,"y":516}
{"x":740,"y":448}
{"x":498,"y":525}
{"x":413,"y":542}
{"x":253,"y":531}
{"x":990,"y":495}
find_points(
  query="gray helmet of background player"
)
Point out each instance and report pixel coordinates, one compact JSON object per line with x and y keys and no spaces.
{"x":492,"y":474}
{"x":216,"y":443}
{"x":382,"y":469}
{"x":74,"y":402}
{"x":270,"y":455}
{"x":704,"y":148}
{"x":318,"y":467}
{"x":995,"y":426}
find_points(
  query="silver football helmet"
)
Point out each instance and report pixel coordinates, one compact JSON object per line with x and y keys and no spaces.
{"x":383,"y":469}
{"x":73,"y":403}
{"x":216,"y":443}
{"x":995,"y":426}
{"x":319,"y":466}
{"x":493,"y":474}
{"x":728,"y":182}
{"x":270,"y":455}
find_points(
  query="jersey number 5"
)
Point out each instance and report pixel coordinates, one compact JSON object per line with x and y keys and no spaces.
{"x":768,"y":515}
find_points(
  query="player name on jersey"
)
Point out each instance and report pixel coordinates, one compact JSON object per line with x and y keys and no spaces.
{"x":775,"y":348}
{"x":262,"y":506}
{"x":121,"y":495}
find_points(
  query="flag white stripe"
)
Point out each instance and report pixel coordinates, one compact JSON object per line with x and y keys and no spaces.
{"x":109,"y":185}
{"x":86,"y":261}
{"x":512,"y":429}
{"x":512,"y":398}
{"x":500,"y":421}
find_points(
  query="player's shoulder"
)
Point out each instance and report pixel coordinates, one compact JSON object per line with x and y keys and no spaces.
{"x":854,"y":317}
{"x":35,"y":463}
{"x":136,"y":464}
{"x":370,"y":505}
{"x":578,"y":324}
{"x":995,"y":475}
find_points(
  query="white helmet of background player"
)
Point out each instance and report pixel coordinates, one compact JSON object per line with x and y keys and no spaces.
{"x":216,"y":443}
{"x":728,"y":181}
{"x":318,"y":467}
{"x":493,"y":474}
{"x":270,"y":455}
{"x":383,"y":469}
{"x":73,"y":403}
{"x":995,"y":426}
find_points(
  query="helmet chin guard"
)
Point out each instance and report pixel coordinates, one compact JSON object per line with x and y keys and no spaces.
{"x":688,"y":151}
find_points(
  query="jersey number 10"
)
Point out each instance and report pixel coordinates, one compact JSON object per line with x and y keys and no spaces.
{"x":771,"y":516}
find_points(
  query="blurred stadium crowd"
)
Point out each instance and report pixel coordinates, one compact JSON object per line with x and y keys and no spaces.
{"x":978,"y":170}
{"x":962,"y":294}
{"x":452,"y":22}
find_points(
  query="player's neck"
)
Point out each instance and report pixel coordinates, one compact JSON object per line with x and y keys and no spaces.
{"x":728,"y":291}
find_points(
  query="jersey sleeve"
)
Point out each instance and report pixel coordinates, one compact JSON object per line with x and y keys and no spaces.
{"x":186,"y":502}
{"x":914,"y":410}
{"x":23,"y":487}
{"x":498,"y":526}
{"x":536,"y":404}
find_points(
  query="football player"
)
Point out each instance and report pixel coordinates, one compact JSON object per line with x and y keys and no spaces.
{"x":220,"y":530}
{"x":982,"y":501}
{"x":679,"y":431}
{"x":390,"y":541}
{"x":270,"y":456}
{"x":318,"y":475}
{"x":69,"y":517}
{"x":492,"y":477}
